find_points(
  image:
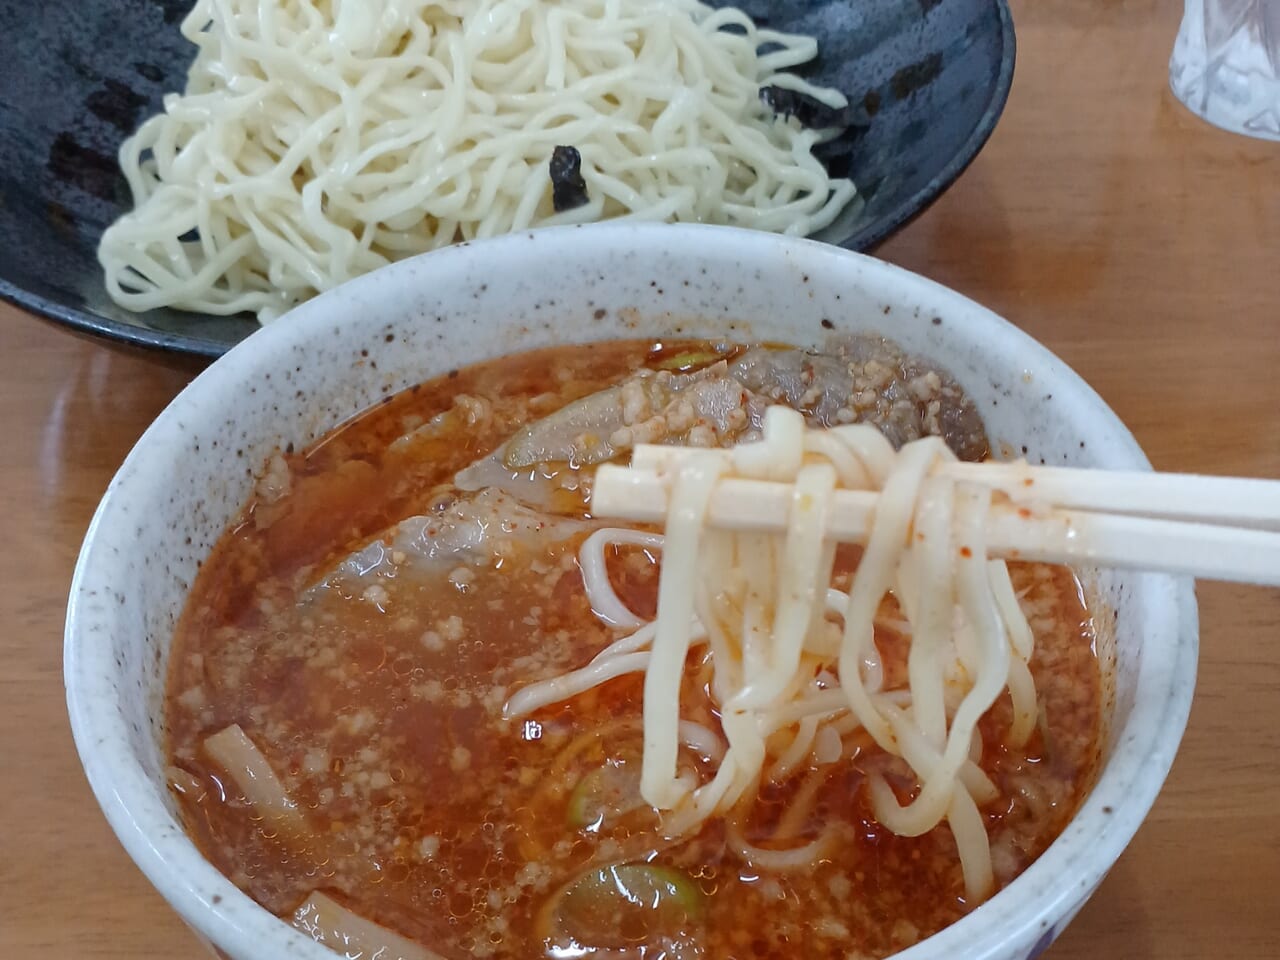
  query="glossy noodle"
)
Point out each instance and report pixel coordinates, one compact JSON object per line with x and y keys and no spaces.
{"x":318,"y":141}
{"x":763,"y":604}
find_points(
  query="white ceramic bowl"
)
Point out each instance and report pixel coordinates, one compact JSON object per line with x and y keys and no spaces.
{"x":290,"y":383}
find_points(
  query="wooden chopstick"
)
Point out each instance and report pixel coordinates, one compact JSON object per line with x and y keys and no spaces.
{"x":1241,"y":501}
{"x":1147,"y":521}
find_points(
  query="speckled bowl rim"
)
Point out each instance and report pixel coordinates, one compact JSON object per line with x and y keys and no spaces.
{"x":1030,"y":911}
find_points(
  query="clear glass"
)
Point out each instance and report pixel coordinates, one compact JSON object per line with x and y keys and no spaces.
{"x":1226,"y":64}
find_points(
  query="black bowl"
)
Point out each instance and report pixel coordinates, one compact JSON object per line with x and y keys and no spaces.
{"x":929,"y":78}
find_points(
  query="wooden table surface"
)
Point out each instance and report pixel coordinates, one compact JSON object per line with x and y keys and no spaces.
{"x":1138,"y":243}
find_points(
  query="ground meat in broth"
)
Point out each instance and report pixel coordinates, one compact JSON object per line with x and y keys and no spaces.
{"x":857,"y":380}
{"x":364,"y":625}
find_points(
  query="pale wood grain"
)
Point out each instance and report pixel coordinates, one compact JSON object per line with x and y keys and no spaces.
{"x":1136,"y":242}
{"x":71,"y":411}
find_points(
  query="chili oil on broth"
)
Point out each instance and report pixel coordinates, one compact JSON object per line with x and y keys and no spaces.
{"x":380,"y":710}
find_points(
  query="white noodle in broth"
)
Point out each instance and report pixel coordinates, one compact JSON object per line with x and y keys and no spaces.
{"x":762,"y":603}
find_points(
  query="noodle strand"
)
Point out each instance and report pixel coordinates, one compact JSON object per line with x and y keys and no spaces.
{"x":787,"y":691}
{"x":314,"y":143}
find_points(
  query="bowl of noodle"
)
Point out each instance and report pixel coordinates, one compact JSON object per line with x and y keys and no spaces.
{"x":182,"y":173}
{"x":145,"y":708}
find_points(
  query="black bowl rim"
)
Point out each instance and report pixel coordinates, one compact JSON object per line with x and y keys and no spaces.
{"x":923,"y":198}
{"x":96,"y":325}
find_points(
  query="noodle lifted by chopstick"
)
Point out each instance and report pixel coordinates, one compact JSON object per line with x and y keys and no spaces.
{"x":783,"y":662}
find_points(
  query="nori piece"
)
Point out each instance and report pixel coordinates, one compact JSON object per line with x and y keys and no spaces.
{"x":813,"y":113}
{"x":568,"y":189}
{"x":852,"y":121}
